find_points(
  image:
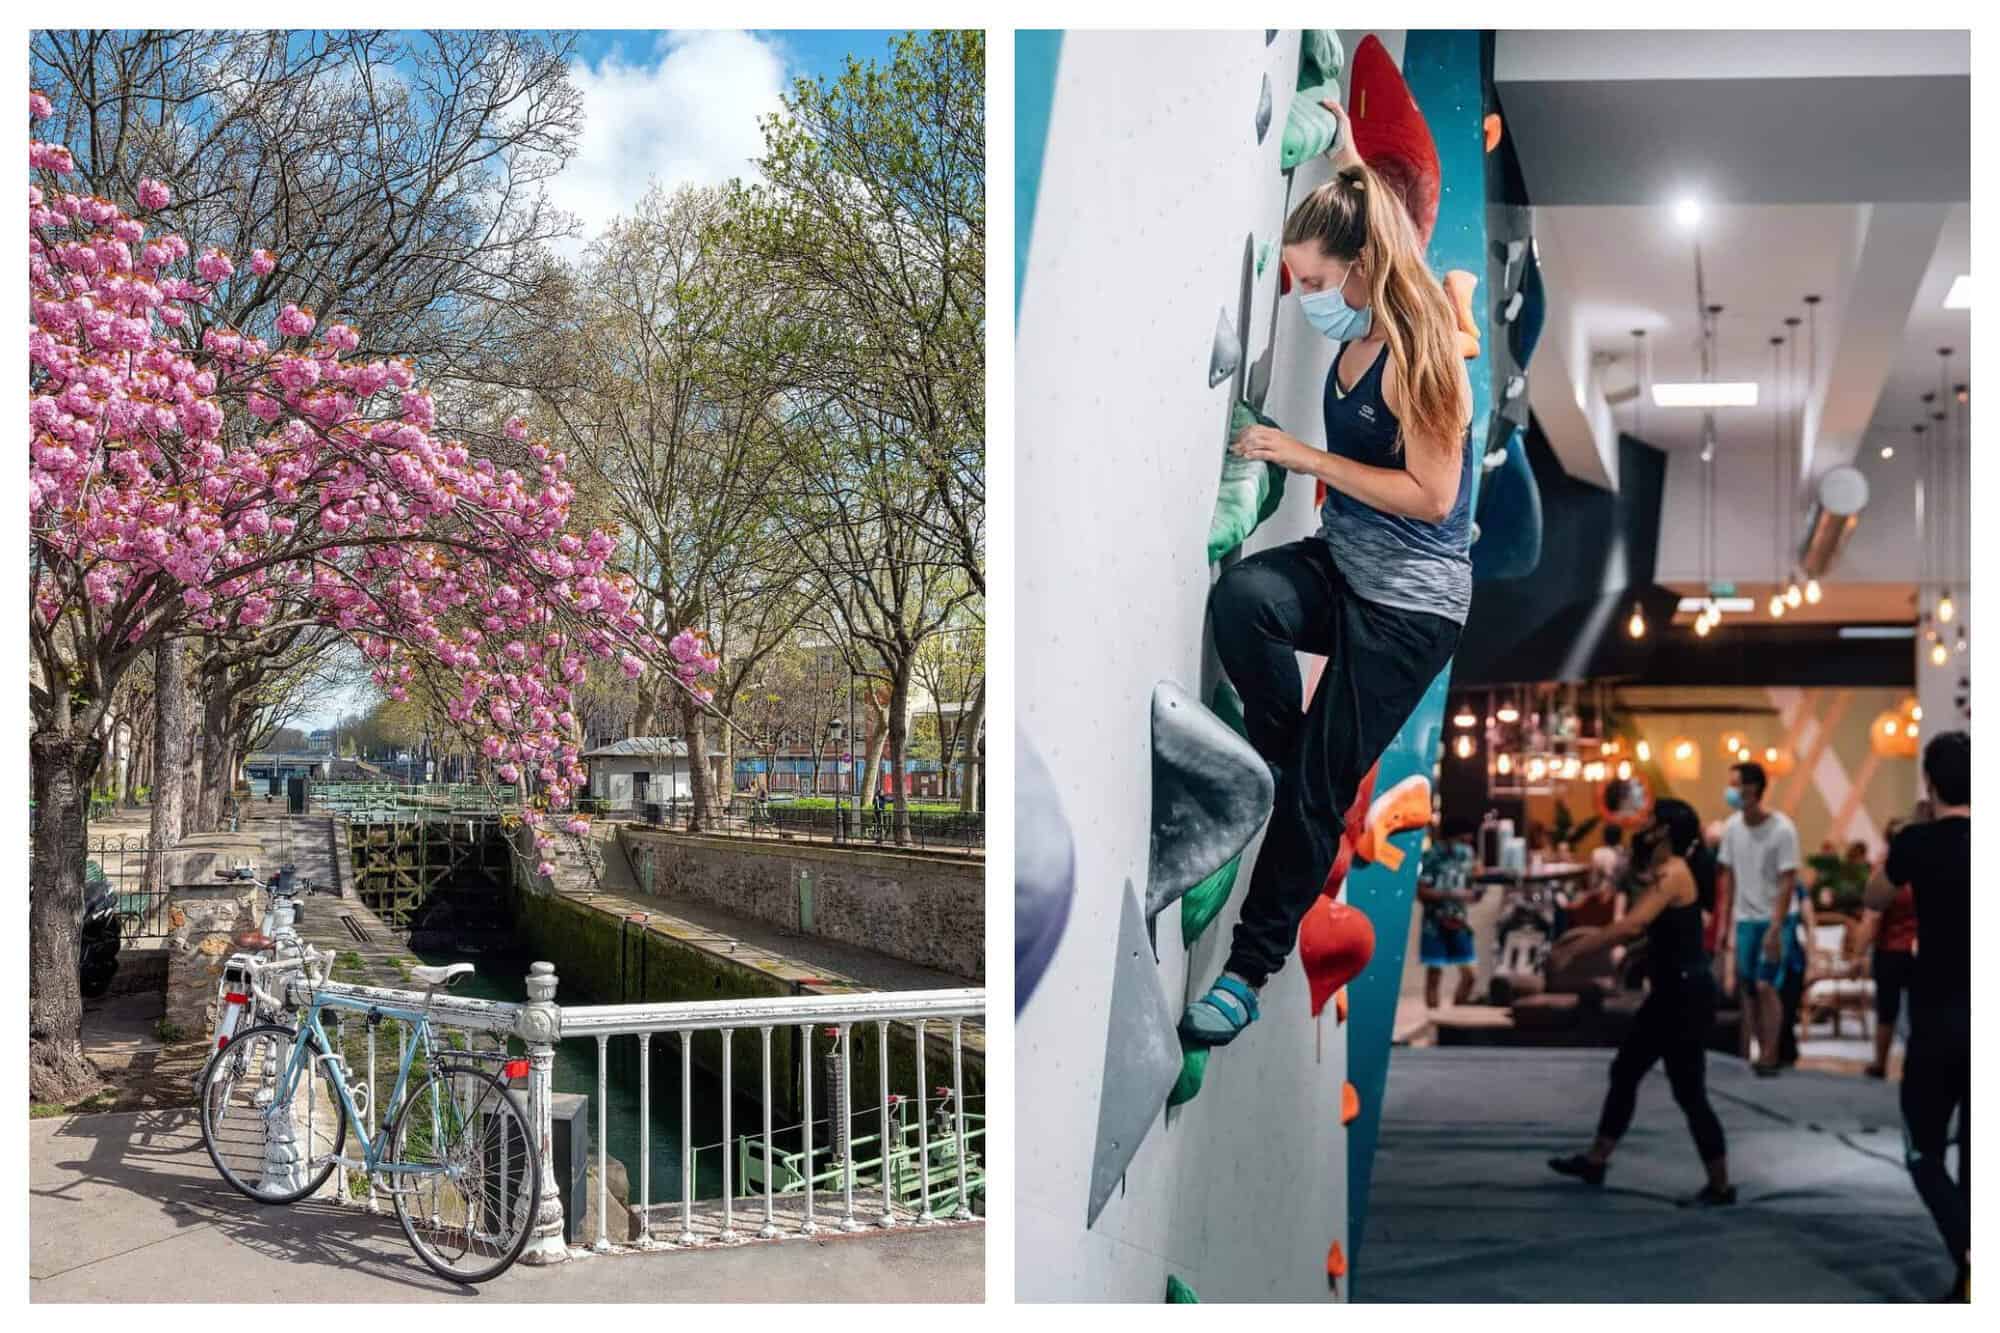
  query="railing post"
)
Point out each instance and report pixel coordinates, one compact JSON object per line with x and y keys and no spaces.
{"x":539,"y":1024}
{"x":888,"y":1158}
{"x":923,"y":1131}
{"x":809,"y":1226}
{"x":603,"y":1154}
{"x":964,"y":1209}
{"x":645,"y":1141}
{"x":770,"y":1227}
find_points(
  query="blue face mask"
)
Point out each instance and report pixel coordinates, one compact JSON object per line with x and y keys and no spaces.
{"x":1329,"y":312}
{"x":1733,"y":797}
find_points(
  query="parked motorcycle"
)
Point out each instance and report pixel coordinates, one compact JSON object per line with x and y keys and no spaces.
{"x":100,"y":937}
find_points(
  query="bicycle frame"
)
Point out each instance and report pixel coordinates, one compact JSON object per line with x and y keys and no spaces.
{"x":372,"y":1149}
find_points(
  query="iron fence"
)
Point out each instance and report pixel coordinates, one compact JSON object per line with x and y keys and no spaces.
{"x":119,"y":866}
{"x":780,"y":820}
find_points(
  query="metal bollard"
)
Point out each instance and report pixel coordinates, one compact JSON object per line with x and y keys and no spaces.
{"x":539,"y":1024}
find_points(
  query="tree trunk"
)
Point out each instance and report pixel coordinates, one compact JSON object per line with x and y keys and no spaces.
{"x":129,"y":798}
{"x":215,"y":737}
{"x":170,"y":741}
{"x":899,"y":747}
{"x":697,"y":745}
{"x":60,"y":770}
{"x":191,"y":782}
{"x":968,"y":744}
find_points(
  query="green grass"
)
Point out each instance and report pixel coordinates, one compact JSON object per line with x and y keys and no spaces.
{"x":101,"y":1100}
{"x":826,"y":803}
{"x":170,"y":1033}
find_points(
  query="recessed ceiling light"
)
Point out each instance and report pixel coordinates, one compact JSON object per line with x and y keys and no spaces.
{"x":1960,"y":295}
{"x":1888,"y":451}
{"x":1687,"y":212}
{"x":1703,"y":393}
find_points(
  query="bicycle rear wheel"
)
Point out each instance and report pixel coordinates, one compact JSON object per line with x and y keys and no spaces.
{"x":267,"y":1152}
{"x":469,"y":1215}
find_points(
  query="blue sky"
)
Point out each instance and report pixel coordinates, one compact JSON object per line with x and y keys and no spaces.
{"x":683,"y":106}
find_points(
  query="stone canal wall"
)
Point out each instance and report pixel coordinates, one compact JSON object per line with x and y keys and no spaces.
{"x":922,"y":908}
{"x":599,"y":959}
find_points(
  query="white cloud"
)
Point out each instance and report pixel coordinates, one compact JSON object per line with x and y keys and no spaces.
{"x":690,"y":116}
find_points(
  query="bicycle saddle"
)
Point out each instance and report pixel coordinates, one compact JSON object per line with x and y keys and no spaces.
{"x":441,"y":976}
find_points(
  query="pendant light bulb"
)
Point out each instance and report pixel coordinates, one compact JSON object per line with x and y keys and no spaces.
{"x":1813,"y":593}
{"x":1636,"y":626}
{"x":1777,"y":607}
{"x":1945,"y":610}
{"x":1939,"y":654}
{"x":1793,"y":596}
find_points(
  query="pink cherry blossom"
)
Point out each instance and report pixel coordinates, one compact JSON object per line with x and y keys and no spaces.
{"x":154,"y":195}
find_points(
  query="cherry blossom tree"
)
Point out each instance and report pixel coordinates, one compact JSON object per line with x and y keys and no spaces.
{"x":184,"y":484}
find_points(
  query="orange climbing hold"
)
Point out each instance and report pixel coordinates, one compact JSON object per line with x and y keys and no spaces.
{"x":1459,"y":285}
{"x":1340,"y":1005}
{"x":1406,"y":806}
{"x":1335,"y":943}
{"x":1492,"y":127}
{"x":1336,"y":1265}
{"x":1350,"y":1104}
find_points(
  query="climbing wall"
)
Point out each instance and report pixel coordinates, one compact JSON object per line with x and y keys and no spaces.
{"x":1148,"y":311}
{"x":1446,"y":74}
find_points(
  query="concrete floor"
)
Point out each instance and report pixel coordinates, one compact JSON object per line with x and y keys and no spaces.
{"x":127,"y":1207}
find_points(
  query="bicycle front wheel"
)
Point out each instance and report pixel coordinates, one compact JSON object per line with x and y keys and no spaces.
{"x":268,"y":1149}
{"x":470,"y":1205}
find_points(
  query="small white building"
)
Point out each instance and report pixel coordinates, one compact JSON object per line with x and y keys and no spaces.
{"x":629,"y":773}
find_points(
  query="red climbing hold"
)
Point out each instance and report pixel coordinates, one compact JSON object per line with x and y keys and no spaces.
{"x":1391,"y":135}
{"x":1350,"y":1104}
{"x":1335,"y":943}
{"x":1355,"y":825}
{"x":1492,"y":127}
{"x":1336,"y":1265}
{"x":1284,"y":278}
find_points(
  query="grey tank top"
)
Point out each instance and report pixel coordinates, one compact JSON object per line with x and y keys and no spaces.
{"x":1386,"y":558}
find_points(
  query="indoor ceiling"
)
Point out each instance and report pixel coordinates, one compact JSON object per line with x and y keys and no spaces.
{"x":1799,"y":148}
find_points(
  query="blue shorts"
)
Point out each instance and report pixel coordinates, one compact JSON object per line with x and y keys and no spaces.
{"x":1751,"y":964}
{"x":1445,"y":948}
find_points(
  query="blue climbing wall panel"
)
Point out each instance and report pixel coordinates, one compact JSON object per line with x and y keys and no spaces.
{"x":1446,"y":76}
{"x":1037,"y":52}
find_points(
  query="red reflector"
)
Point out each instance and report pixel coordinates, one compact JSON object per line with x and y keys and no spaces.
{"x":221,"y":1042}
{"x":235,"y":997}
{"x":515,"y":1069}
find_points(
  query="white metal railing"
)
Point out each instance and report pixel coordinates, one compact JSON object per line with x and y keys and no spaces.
{"x":841,"y":1014}
{"x":540,"y":1024}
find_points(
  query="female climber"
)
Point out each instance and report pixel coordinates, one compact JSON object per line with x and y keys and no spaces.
{"x":1383,"y":589}
{"x":1675,"y":873}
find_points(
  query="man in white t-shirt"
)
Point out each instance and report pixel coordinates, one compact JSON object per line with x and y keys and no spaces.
{"x":1759,"y":860}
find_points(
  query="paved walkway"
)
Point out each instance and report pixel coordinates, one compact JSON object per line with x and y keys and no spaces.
{"x":127,"y":1207}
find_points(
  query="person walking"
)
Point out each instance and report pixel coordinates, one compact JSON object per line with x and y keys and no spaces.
{"x":1934,"y":861}
{"x":1382,"y":591}
{"x":1891,"y":930}
{"x":1759,"y":857}
{"x":1677,"y":880}
{"x":1445,"y":889}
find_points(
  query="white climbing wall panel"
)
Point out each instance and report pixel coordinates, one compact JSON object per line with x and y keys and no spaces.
{"x":1152,"y":184}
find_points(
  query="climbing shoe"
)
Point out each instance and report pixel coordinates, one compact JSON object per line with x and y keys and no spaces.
{"x":1709,"y":1196}
{"x":1576,"y":1164}
{"x":1219,"y":1016}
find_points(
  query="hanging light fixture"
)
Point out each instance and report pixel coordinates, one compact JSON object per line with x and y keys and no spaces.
{"x":1624,"y":770}
{"x":1465,"y":718}
{"x":1464,"y":747}
{"x":1777,"y":606}
{"x":1813,"y":593}
{"x":1645,"y":752}
{"x":1508,"y":714}
{"x":1939,"y":654}
{"x":1636,"y":626}
{"x":1780,"y":388}
{"x":1504,"y":764}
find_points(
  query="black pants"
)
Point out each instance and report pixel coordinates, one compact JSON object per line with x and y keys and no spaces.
{"x":1892,"y":971}
{"x":1380,"y":660}
{"x":1671,"y":1026}
{"x":1937,"y":1079}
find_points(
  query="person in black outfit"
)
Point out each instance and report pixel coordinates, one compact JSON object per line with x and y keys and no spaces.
{"x":1676,"y":878}
{"x":1934,"y":860}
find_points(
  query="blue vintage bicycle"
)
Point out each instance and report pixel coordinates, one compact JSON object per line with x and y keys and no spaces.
{"x":455,"y":1153}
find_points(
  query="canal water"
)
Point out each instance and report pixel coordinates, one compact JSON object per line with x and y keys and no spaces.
{"x":503,"y":976}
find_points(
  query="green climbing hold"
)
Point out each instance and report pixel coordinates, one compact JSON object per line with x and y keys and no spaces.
{"x":1194,"y":1065}
{"x":1180,"y":1293}
{"x":1310,"y":129}
{"x":1227,"y":706}
{"x":1200,"y":904}
{"x":1264,"y":253}
{"x":1249,"y":493}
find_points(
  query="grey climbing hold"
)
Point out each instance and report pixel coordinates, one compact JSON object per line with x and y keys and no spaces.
{"x":1226,"y":354}
{"x":1044,"y":869}
{"x":1211,"y":793}
{"x":1475,"y":532}
{"x":1142,"y":1057}
{"x":1515,"y":384}
{"x":1512,"y":310}
{"x":1494,"y":459}
{"x":1270,"y":35}
{"x":1264,"y":110}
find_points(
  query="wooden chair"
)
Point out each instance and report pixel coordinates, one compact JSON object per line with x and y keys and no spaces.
{"x":1833,"y":986}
